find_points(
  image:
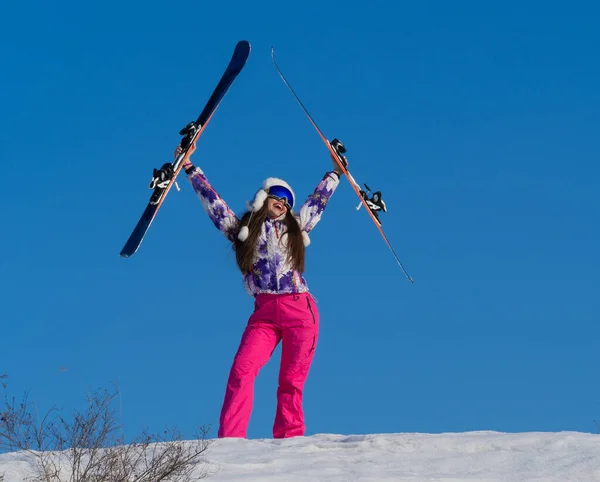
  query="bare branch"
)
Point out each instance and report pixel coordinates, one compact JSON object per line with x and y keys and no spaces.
{"x":88,"y":447}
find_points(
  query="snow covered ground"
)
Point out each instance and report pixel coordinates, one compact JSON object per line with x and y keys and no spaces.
{"x":472,"y":456}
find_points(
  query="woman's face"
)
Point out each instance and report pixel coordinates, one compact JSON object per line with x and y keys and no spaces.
{"x":275,"y":208}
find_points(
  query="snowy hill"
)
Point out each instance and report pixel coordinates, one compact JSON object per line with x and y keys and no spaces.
{"x":472,"y":456}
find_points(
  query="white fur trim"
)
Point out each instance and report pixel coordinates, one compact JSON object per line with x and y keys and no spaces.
{"x":259,"y":199}
{"x":243,"y":234}
{"x":305,"y":238}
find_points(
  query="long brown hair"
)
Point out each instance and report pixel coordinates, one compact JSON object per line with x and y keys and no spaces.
{"x":245,"y":251}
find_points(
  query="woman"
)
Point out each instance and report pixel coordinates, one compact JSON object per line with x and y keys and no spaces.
{"x":269,"y":242}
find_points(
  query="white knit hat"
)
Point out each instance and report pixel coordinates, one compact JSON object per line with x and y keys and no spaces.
{"x":259,"y":199}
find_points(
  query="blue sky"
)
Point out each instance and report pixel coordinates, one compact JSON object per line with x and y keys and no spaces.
{"x":478,"y":122}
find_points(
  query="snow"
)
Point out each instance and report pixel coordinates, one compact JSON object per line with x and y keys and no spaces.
{"x":448,"y":457}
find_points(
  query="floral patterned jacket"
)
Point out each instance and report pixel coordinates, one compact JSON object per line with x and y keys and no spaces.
{"x":271,"y":272}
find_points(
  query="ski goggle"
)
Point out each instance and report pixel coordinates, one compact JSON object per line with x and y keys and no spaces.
{"x":282,"y":194}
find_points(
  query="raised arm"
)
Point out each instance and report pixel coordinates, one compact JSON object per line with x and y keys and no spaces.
{"x":219,"y":213}
{"x":312,"y":209}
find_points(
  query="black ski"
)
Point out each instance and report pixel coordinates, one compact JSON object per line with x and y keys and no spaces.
{"x":163,"y":178}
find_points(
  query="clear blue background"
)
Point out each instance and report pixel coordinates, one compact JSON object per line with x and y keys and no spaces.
{"x":478,"y":122}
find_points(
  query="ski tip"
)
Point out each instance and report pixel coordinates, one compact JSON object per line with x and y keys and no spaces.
{"x":245,"y":45}
{"x":241,"y":53}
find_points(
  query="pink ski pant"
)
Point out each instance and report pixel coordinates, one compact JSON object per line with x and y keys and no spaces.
{"x":292,"y":319}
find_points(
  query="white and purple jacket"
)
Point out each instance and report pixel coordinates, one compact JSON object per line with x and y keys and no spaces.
{"x":271,"y":273}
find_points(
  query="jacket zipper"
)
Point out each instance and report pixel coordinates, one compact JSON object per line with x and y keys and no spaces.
{"x":276,"y":271}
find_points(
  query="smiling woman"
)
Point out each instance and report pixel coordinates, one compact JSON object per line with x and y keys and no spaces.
{"x":269,"y":242}
{"x":279,"y":199}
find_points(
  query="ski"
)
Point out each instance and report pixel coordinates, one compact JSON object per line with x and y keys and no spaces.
{"x":373,"y":204}
{"x":164,"y":178}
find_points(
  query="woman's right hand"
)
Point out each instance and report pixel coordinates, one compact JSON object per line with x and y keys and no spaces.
{"x":191,"y":150}
{"x":177,"y":151}
{"x":186,"y":160}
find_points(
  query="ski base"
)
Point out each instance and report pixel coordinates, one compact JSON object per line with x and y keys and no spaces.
{"x":337,"y":150}
{"x":164,"y":178}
